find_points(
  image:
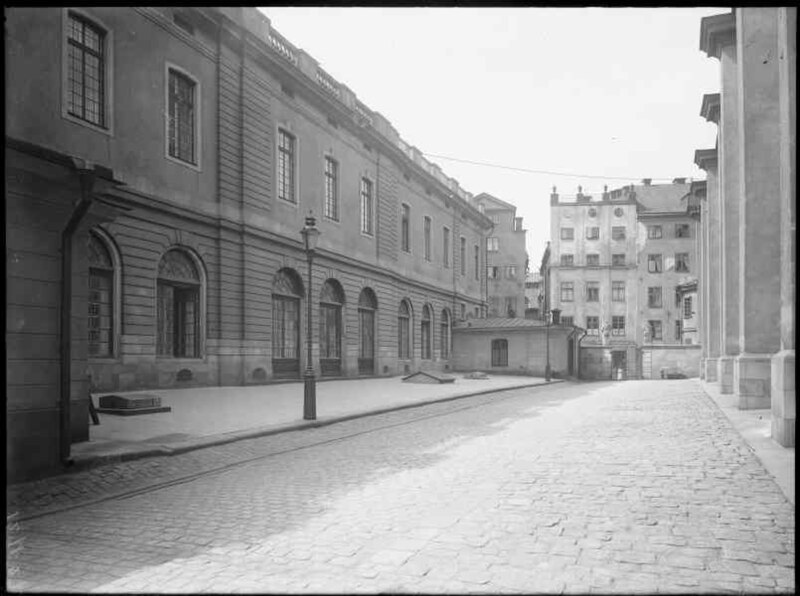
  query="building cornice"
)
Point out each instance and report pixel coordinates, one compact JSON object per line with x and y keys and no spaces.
{"x":710,"y":107}
{"x":716,"y":32}
{"x":705,"y":159}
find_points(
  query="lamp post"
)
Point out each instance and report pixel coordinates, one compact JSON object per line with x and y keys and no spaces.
{"x":547,"y":344}
{"x":310,"y":234}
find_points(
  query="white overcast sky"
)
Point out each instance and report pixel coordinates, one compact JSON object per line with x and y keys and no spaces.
{"x":589,"y":92}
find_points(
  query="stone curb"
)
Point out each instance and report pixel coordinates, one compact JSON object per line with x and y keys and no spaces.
{"x":94,"y":461}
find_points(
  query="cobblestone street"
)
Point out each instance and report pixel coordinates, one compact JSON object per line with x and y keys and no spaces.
{"x":608,"y":487}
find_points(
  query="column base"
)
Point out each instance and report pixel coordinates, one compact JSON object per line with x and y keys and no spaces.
{"x":711,"y":370}
{"x":725,"y":374}
{"x":752,"y":375}
{"x":702,"y":369}
{"x":784,"y":410}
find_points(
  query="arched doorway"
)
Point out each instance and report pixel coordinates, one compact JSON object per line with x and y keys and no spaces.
{"x":367,"y":305}
{"x":404,"y":330}
{"x":178,"y":306}
{"x":287,"y":289}
{"x":426,"y":337}
{"x":444,"y":334}
{"x":331,"y":300}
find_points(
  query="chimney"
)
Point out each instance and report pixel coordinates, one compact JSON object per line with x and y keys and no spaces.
{"x":647,"y":181}
{"x":554,"y":197}
{"x":679,"y":180}
{"x":605,"y":192}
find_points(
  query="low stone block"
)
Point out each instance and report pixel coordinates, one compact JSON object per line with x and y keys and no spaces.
{"x":143,"y":403}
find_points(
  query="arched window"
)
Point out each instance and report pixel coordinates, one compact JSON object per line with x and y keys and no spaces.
{"x":101,"y":319}
{"x":404,"y":331}
{"x":367,"y":305}
{"x":330,"y":328}
{"x":425,"y":332}
{"x":444,"y":333}
{"x":287,"y":289}
{"x":499,"y":352}
{"x":178,"y":312}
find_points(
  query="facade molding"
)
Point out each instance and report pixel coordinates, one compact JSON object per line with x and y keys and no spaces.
{"x":716,"y":32}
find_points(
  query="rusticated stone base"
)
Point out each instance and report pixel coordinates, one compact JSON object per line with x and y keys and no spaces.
{"x":725,"y":374}
{"x":711,"y":370}
{"x":784,"y":409}
{"x":752,"y":380}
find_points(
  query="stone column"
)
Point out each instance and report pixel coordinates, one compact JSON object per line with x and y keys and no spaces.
{"x":702,"y":285}
{"x":760,"y":212}
{"x":784,"y":410}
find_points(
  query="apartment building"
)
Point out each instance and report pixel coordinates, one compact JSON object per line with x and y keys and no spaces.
{"x":160,"y":165}
{"x":506,"y":257}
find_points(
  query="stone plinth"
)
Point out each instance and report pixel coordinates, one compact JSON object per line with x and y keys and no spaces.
{"x":752,"y":374}
{"x":725,"y":374}
{"x":711,"y":370}
{"x":120,"y":405}
{"x":784,"y":408}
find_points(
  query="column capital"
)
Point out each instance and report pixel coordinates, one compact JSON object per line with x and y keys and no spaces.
{"x":716,"y":32}
{"x":710,"y":107}
{"x":706,"y":159}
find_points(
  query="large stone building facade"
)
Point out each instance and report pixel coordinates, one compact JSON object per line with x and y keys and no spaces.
{"x":506,"y":258}
{"x":616,"y":269}
{"x":160,"y":164}
{"x":747,"y":284}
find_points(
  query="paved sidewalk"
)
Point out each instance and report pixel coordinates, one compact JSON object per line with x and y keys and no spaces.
{"x":206,"y":416}
{"x":755,"y":428}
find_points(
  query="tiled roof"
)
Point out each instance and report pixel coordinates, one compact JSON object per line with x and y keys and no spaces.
{"x":498,"y":323}
{"x":662,"y":197}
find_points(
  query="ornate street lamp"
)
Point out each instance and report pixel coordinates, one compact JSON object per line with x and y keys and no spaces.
{"x":310,"y":235}
{"x":547,"y":344}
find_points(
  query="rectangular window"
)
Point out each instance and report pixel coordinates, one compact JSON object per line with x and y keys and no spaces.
{"x":285,"y":328}
{"x":492,"y":272}
{"x":86,"y":71}
{"x":463,"y":255}
{"x":511,"y":304}
{"x":682,"y":262}
{"x":181,"y":131}
{"x":511,"y":271}
{"x":618,"y":233}
{"x":331,"y":188}
{"x":177,"y":321}
{"x":567,"y":260}
{"x":682,"y":230}
{"x":654,"y":297}
{"x":426,"y":235}
{"x":687,"y":307}
{"x":678,"y":296}
{"x":618,"y":260}
{"x":593,"y":325}
{"x":593,"y":260}
{"x":592,"y":233}
{"x":567,"y":321}
{"x":654,"y":264}
{"x":655,"y":330}
{"x":618,"y":325}
{"x":446,"y":247}
{"x":654,"y":232}
{"x":477,"y":251}
{"x":499,"y":352}
{"x":286,"y":164}
{"x":367,"y":206}
{"x":405,"y":232}
{"x":592,"y":291}
{"x":567,"y":234}
{"x":463,"y":309}
{"x":492,"y":244}
{"x":567,"y":291}
{"x":618,"y":291}
{"x":678,"y":330}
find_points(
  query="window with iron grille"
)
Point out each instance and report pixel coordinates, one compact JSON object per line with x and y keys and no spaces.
{"x":367,"y":206}
{"x":286,"y":165}
{"x":654,"y":264}
{"x":654,"y":297}
{"x":331,"y":188}
{"x":567,"y":260}
{"x":592,"y":291}
{"x":592,"y":233}
{"x":100,"y":321}
{"x":446,"y":247}
{"x":567,"y":291}
{"x":618,"y":233}
{"x":182,"y":133}
{"x":654,"y":232}
{"x":426,"y":236}
{"x":567,"y":233}
{"x":682,"y":262}
{"x":617,"y":325}
{"x":618,"y":291}
{"x":655,"y":330}
{"x":567,"y":321}
{"x":618,"y":260}
{"x":499,"y":352}
{"x":405,"y":231}
{"x":682,"y":230}
{"x":592,"y":260}
{"x":86,"y":70}
{"x":687,"y":307}
{"x":593,"y":325}
{"x":462,"y":253}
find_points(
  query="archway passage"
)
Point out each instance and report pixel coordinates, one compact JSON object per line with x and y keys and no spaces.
{"x":287,"y":289}
{"x":330,"y":329}
{"x":367,"y":305}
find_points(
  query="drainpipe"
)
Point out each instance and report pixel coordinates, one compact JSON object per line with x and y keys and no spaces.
{"x":86,"y":175}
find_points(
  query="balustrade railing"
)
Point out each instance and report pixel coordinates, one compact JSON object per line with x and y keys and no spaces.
{"x":283,"y":47}
{"x":328,"y":83}
{"x":364,"y":112}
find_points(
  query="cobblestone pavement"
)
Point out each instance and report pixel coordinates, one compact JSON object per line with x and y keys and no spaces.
{"x":608,"y":487}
